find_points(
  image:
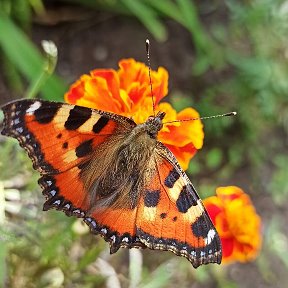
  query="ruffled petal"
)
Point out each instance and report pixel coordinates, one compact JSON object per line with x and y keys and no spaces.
{"x":187,"y":132}
{"x":132,"y":72}
{"x":97,"y":90}
{"x":182,"y":154}
{"x":228,"y":248}
{"x":237,"y":223}
{"x":159,"y":84}
{"x":112,"y":81}
{"x":128,"y":92}
{"x":213,"y":206}
{"x":77,"y":90}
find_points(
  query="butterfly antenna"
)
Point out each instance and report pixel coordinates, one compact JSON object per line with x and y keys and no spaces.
{"x":204,"y":118}
{"x":149,"y":73}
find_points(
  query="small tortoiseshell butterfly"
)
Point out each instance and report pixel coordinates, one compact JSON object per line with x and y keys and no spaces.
{"x":103,"y":167}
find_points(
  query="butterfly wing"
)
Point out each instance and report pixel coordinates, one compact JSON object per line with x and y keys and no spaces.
{"x":171,"y":215}
{"x":61,"y":139}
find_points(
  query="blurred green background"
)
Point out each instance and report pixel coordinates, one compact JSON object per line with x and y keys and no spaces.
{"x":221,"y":56}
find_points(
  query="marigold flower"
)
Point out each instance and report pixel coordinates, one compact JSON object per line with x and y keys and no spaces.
{"x":127,"y":92}
{"x":237,"y":223}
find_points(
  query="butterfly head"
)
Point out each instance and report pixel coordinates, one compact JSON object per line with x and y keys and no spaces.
{"x":154,"y":124}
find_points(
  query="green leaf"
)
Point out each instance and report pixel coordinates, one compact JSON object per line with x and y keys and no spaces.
{"x":3,"y":268}
{"x":192,"y":23}
{"x":160,"y":278}
{"x":148,"y":17}
{"x":214,"y":158}
{"x":167,"y":8}
{"x":21,"y":12}
{"x":90,"y":256}
{"x":23,"y":54}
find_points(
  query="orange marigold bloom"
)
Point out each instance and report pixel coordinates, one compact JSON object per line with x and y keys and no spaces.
{"x":127,"y":92}
{"x":237,"y":223}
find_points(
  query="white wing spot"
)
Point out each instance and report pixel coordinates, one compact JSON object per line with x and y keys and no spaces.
{"x":57,"y":202}
{"x":19,"y":130}
{"x":16,"y":121}
{"x":104,"y":230}
{"x":49,"y":182}
{"x":125,"y":239}
{"x":36,"y":105}
{"x":113,"y":238}
{"x":210,"y":236}
{"x":52,"y":192}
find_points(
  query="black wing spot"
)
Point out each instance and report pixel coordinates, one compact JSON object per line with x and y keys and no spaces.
{"x":101,"y":123}
{"x":46,"y":114}
{"x":171,"y":179}
{"x":201,"y":227}
{"x":65,"y":145}
{"x":59,"y":136}
{"x":84,"y":148}
{"x":83,"y":165}
{"x":186,"y":199}
{"x":151,"y":198}
{"x":77,"y":117}
{"x":174,"y":219}
{"x":163,"y":215}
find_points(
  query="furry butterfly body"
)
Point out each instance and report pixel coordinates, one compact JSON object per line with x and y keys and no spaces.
{"x":125,"y":184}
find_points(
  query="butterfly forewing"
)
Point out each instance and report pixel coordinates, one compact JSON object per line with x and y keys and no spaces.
{"x":61,"y":139}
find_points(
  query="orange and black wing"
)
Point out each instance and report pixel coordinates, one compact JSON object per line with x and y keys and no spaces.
{"x":171,"y":215}
{"x":61,"y":139}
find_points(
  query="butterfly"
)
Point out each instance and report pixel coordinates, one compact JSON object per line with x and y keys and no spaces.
{"x":125,"y":184}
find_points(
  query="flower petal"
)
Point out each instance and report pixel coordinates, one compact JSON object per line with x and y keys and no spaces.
{"x":182,"y":154}
{"x":96,"y":90}
{"x":132,"y":72}
{"x":77,"y":90}
{"x":128,"y":92}
{"x":228,"y":247}
{"x":188,"y":132}
{"x":237,"y":223}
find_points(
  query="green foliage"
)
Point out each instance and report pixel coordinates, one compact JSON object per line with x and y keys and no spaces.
{"x":247,"y":51}
{"x":160,"y":278}
{"x":89,"y":257}
{"x":22,"y":57}
{"x":279,"y":186}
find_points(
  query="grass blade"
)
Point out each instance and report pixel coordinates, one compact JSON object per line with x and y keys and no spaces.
{"x":24,"y":55}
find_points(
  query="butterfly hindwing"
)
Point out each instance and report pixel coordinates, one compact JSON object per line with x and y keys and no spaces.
{"x":117,"y":226}
{"x":171,"y":215}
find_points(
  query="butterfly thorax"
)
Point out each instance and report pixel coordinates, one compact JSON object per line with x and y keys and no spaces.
{"x":117,"y":180}
{"x":154,"y":124}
